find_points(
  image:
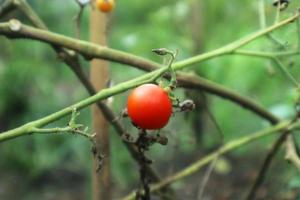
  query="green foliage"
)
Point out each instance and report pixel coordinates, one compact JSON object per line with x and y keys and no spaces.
{"x":34,"y":83}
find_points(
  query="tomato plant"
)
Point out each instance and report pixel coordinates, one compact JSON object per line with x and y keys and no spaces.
{"x":105,"y":5}
{"x":149,"y":107}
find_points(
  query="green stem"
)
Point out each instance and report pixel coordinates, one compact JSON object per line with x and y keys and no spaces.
{"x":277,"y":16}
{"x":286,"y":72}
{"x":103,"y":94}
{"x":230,"y":48}
{"x":61,"y":130}
{"x":266,"y":54}
{"x":262,"y":14}
{"x":298,"y":33}
{"x":274,"y":56}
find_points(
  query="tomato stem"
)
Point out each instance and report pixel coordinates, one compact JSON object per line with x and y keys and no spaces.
{"x":173,"y":80}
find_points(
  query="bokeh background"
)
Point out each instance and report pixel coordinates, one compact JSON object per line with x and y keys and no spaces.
{"x":34,"y":83}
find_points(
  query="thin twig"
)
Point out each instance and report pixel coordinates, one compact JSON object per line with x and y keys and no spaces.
{"x":77,"y":20}
{"x":209,"y":170}
{"x":206,"y":178}
{"x":213,"y":163}
{"x":261,"y":14}
{"x":291,"y":152}
{"x":266,"y":163}
{"x":262,"y":23}
{"x":286,"y":73}
{"x":277,"y":15}
{"x":62,"y":130}
{"x":214,"y":120}
{"x":273,"y":57}
{"x":298,"y":33}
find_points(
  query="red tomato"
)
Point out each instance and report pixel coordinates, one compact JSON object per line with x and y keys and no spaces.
{"x":149,"y":107}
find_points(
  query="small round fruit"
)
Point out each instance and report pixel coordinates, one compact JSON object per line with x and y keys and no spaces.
{"x":105,"y":5}
{"x":149,"y":107}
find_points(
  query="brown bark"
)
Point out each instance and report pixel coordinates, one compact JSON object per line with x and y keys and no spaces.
{"x":99,"y":74}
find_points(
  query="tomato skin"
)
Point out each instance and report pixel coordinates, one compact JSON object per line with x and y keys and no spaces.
{"x":149,"y":107}
{"x":105,"y":5}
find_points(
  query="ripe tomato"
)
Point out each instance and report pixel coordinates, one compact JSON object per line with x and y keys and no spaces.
{"x":149,"y":107}
{"x":105,"y":5}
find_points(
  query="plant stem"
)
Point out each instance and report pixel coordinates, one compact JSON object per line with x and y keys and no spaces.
{"x":103,"y":94}
{"x":286,"y":72}
{"x":266,"y":54}
{"x":61,"y":130}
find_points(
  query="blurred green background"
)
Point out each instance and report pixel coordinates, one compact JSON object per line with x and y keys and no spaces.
{"x":34,"y":83}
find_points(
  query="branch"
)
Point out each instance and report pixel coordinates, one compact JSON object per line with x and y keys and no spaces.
{"x":230,"y":48}
{"x":274,"y":57}
{"x":77,"y":19}
{"x":90,"y":50}
{"x":61,"y":130}
{"x":265,"y":54}
{"x":86,"y":48}
{"x":206,"y":177}
{"x":193,"y":168}
{"x":195,"y":82}
{"x":103,"y":94}
{"x":262,"y":23}
{"x":266,"y":163}
{"x":72,"y":127}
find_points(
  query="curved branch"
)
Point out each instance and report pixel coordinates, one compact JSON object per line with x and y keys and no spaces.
{"x":92,"y":50}
{"x":196,"y":82}
{"x":265,"y":165}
